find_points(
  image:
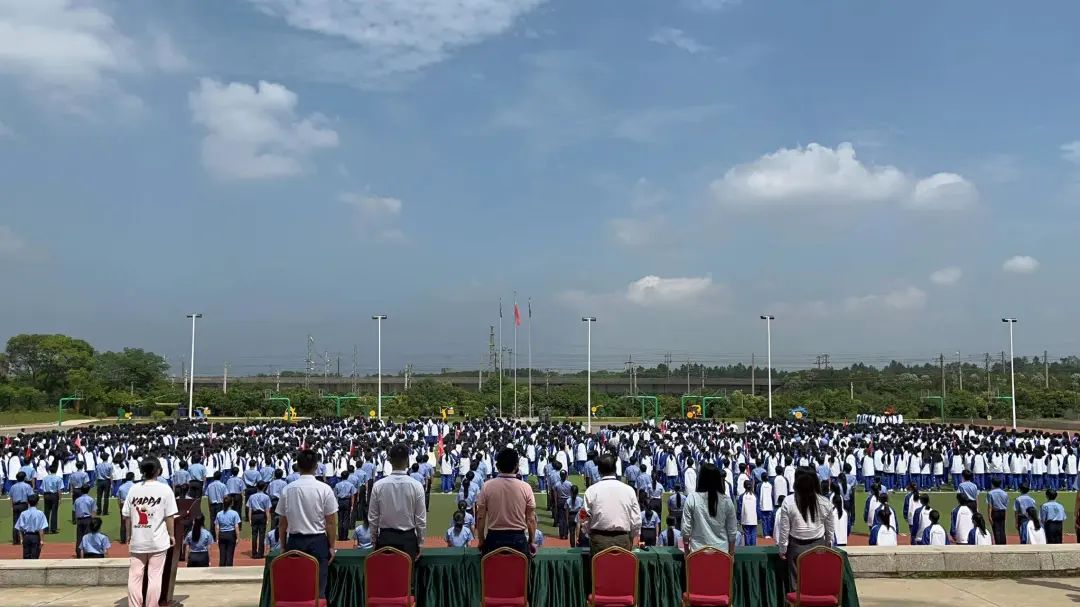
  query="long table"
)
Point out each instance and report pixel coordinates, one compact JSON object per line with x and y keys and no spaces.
{"x":561,"y":577}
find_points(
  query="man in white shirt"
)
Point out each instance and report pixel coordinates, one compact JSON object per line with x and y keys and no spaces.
{"x":307,"y":512}
{"x":613,"y":510}
{"x":397,"y":515}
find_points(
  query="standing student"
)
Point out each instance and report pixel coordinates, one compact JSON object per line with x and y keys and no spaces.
{"x":150,"y":508}
{"x":563,"y":490}
{"x":32,"y":525}
{"x":458,"y":535}
{"x":1021,"y":506}
{"x":85,"y":508}
{"x":228,"y":526}
{"x":215,"y":493}
{"x":198,"y":542}
{"x":979,"y":536}
{"x":748,"y":514}
{"x":840,"y":520}
{"x":675,"y":504}
{"x":671,"y":536}
{"x":997,"y":501}
{"x":805,"y":521}
{"x":95,"y":544}
{"x":259,"y":514}
{"x":51,"y":488}
{"x":20,"y":493}
{"x":765,"y":507}
{"x":650,"y":526}
{"x":1052,"y":517}
{"x":1034,"y":532}
{"x":574,"y":504}
{"x":76,"y":482}
{"x":883,"y":533}
{"x":345,"y":492}
{"x":308,"y":515}
{"x":121,"y":496}
{"x":103,"y":474}
{"x":934,"y":534}
{"x":362,"y":534}
{"x":961,"y":520}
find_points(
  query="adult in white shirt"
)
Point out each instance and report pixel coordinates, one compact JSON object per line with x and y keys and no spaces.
{"x":149,"y":511}
{"x":614,"y":515}
{"x":397,"y":514}
{"x":690,"y":478}
{"x":307,"y":515}
{"x":805,"y":521}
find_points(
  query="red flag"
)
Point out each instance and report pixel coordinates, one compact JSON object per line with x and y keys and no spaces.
{"x":352,"y":448}
{"x":78,"y":441}
{"x":517,"y":315}
{"x":439,"y":448}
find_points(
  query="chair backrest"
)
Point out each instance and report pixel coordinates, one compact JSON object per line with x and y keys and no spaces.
{"x":709,"y":572}
{"x":821,"y":572}
{"x":294,"y":577}
{"x":387,"y":575}
{"x":504,"y":574}
{"x":614,"y":573}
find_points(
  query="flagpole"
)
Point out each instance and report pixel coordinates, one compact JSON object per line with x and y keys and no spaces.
{"x":513,"y":357}
{"x":529,"y":339}
{"x":499,"y":358}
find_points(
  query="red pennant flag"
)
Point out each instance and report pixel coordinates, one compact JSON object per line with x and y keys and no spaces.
{"x":517,"y":315}
{"x":439,"y":448}
{"x":352,"y":448}
{"x":78,"y":441}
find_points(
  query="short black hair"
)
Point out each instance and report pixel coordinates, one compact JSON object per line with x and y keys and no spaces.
{"x":1051,"y":494}
{"x":399,"y":456}
{"x":606,"y":465}
{"x":307,"y":461}
{"x":506,"y":461}
{"x":32,"y":500}
{"x":150,"y":468}
{"x":996,"y":483}
{"x":966,"y":474}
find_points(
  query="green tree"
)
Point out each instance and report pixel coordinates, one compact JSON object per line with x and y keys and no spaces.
{"x":132,"y":367}
{"x":44,"y":361}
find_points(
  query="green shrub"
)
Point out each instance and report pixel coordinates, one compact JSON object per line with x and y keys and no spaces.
{"x":253,"y":413}
{"x":157,"y":415}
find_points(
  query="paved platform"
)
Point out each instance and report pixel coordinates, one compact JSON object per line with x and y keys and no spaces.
{"x":1023,"y":592}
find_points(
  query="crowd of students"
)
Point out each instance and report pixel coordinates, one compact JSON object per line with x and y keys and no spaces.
{"x":242,"y":469}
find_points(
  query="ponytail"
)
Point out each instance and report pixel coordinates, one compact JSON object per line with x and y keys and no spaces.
{"x":671,"y":536}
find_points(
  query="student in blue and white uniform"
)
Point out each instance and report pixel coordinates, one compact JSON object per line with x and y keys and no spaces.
{"x":228,"y":527}
{"x":31,"y":525}
{"x":650,"y":526}
{"x":95,"y":544}
{"x":979,"y":536}
{"x":573,"y":507}
{"x":765,"y":507}
{"x":1033,"y":531}
{"x":961,"y":520}
{"x":458,"y":536}
{"x":198,"y":542}
{"x":883,"y":533}
{"x":935,"y":534}
{"x":1052,"y":516}
{"x":672,"y":536}
{"x":748,"y":514}
{"x":840,"y":520}
{"x":362,"y":535}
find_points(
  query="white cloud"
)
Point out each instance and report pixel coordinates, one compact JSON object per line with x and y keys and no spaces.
{"x":398,"y":36}
{"x":711,"y":5}
{"x":899,"y":300}
{"x":947,"y":276}
{"x":1020,"y":264}
{"x":652,"y":124}
{"x":944,"y":192}
{"x":376,"y":217}
{"x":167,"y":57}
{"x":654,"y":290}
{"x":1071,"y":151}
{"x":814,"y":175}
{"x":254,"y":133}
{"x":819,"y":176}
{"x":11,"y":244}
{"x":673,"y":36}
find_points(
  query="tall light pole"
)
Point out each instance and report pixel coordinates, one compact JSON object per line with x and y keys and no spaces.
{"x":768,"y":318}
{"x":1012,"y":367}
{"x":191,"y":392}
{"x":379,"y":318}
{"x":960,"y":372}
{"x":589,"y":320}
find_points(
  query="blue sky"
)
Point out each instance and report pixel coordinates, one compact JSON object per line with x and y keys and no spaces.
{"x":887,"y":179}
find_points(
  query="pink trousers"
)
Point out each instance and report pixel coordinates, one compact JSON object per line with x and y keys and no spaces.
{"x":149,"y":565}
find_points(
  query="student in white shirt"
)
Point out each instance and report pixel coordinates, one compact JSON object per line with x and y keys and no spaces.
{"x":979,"y":536}
{"x":840,"y":520}
{"x":935,"y":534}
{"x":1034,"y":532}
{"x":765,"y":507}
{"x":748,"y":514}
{"x":883,"y":533}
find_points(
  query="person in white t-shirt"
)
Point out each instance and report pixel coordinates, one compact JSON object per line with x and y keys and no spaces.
{"x":149,"y":509}
{"x":1034,"y":532}
{"x":840,"y":520}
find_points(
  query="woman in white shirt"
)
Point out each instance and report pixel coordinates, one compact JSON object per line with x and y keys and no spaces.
{"x":1035,"y":533}
{"x":805,"y":521}
{"x":979,"y":536}
{"x":709,"y":514}
{"x":883,"y":533}
{"x":840,"y":520}
{"x":149,"y":509}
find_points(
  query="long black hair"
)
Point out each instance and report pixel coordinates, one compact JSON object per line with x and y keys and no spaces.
{"x":806,"y":493}
{"x":711,"y":482}
{"x":1033,"y":516}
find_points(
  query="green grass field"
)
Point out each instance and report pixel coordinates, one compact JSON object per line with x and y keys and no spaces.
{"x":443,"y":506}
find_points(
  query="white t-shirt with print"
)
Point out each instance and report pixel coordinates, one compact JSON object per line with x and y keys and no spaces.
{"x":149,"y":505}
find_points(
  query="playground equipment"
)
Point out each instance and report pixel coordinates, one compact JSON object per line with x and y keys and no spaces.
{"x":337,"y":400}
{"x":446,"y":411}
{"x":290,"y":412}
{"x":699,"y":410}
{"x":60,"y":411}
{"x":798,"y":413}
{"x":644,"y":398}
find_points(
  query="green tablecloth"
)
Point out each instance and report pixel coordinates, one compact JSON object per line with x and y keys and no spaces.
{"x":561,"y":577}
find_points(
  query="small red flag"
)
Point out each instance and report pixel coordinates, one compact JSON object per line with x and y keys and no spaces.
{"x":517,"y":315}
{"x":439,"y":448}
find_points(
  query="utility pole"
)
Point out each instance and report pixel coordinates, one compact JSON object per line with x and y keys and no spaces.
{"x":942,"y":359}
{"x":326,"y":364}
{"x":339,"y":366}
{"x":309,"y":360}
{"x":752,"y":365}
{"x":817,"y":362}
{"x":688,"y":376}
{"x":277,"y":384}
{"x":183,"y":373}
{"x":225,"y":380}
{"x":355,"y":366}
{"x":825,"y":361}
{"x":989,"y":394}
{"x":1046,"y":369}
{"x":703,"y":379}
{"x":852,"y":386}
{"x":480,"y":379}
{"x":408,"y":371}
{"x":667,"y":363}
{"x":960,"y":371}
{"x":1004,"y":373}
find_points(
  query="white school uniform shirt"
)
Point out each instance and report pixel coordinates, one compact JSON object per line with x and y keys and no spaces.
{"x":523,"y":467}
{"x":957,"y":465}
{"x":749,"y":516}
{"x":867,"y":466}
{"x":767,"y":498}
{"x":1035,"y":537}
{"x":1070,"y":464}
{"x":871,"y":512}
{"x":840,"y":520}
{"x":1054,"y":466}
{"x":789,"y":475}
{"x":463,"y":466}
{"x":690,"y":481}
{"x":1018,"y":463}
{"x":983,"y":539}
{"x":560,"y":457}
{"x":963,"y":524}
{"x":886,"y":536}
{"x":938,"y":537}
{"x":671,"y":468}
{"x":914,"y":464}
{"x":939,"y":467}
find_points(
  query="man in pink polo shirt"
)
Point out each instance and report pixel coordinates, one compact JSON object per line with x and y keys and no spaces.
{"x":506,"y":509}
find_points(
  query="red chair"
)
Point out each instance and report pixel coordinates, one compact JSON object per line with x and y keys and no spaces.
{"x":614,"y":578}
{"x":708,"y":578}
{"x":388,"y":579}
{"x":821,"y":579}
{"x":294,"y":581}
{"x":504,"y":578}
